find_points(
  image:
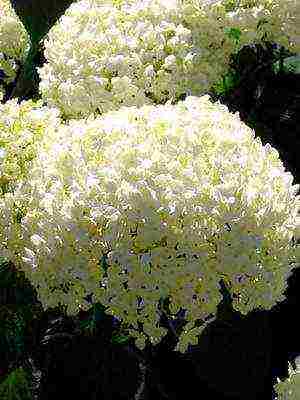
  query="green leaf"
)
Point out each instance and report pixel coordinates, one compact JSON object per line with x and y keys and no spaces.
{"x":120,"y":339}
{"x":97,"y":315}
{"x":103,"y":263}
{"x":16,"y":386}
{"x":233,"y":33}
{"x":289,"y":65}
{"x":226,"y":83}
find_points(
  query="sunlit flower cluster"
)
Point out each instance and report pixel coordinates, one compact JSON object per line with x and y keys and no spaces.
{"x":171,"y":199}
{"x":159,"y":200}
{"x":104,"y":55}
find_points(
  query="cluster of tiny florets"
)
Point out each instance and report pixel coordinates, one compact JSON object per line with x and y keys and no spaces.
{"x":171,"y":198}
{"x":105,"y":55}
{"x":157,"y":200}
{"x":22,"y":128}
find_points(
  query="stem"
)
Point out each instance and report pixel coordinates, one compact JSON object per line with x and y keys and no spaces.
{"x":27,"y":81}
{"x":145,"y":366}
{"x":142,"y":385}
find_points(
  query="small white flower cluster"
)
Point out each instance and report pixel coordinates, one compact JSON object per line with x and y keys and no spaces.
{"x":289,"y":389}
{"x":175,"y":197}
{"x":14,"y":42}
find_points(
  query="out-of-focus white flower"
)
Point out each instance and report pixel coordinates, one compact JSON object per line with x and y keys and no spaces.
{"x":29,"y":258}
{"x":37,"y":240}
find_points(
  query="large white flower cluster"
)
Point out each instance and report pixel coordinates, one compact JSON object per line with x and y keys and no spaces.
{"x":171,"y":199}
{"x":102,"y":55}
{"x":14,"y":41}
{"x":289,"y":389}
{"x":22,"y":127}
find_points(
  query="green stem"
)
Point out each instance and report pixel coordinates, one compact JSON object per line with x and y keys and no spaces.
{"x":27,"y":81}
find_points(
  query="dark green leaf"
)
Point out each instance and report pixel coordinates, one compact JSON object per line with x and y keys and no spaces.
{"x":289,"y":65}
{"x":233,"y":33}
{"x":120,"y":339}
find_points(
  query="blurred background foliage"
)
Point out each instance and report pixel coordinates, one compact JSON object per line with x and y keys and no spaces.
{"x":16,"y":386}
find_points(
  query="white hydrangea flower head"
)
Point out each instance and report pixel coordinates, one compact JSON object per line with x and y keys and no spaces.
{"x":289,"y":389}
{"x":22,"y":127}
{"x":102,"y":55}
{"x":14,"y":41}
{"x":171,"y":199}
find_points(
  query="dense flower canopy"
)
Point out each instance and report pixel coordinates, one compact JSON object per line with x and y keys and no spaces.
{"x":171,"y":198}
{"x":155,"y":200}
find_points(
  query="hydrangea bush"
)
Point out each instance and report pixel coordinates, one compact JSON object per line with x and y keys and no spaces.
{"x":14,"y":42}
{"x":151,"y":203}
{"x":146,"y":203}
